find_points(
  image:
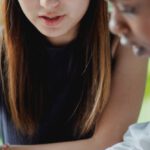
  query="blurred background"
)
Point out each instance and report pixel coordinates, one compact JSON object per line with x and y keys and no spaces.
{"x":145,"y":110}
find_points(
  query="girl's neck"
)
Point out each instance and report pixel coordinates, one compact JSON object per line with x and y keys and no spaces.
{"x":63,"y":39}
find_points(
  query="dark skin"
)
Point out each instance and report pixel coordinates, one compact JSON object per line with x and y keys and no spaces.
{"x":130,"y":19}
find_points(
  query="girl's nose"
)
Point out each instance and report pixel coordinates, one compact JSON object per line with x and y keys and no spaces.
{"x":117,"y":24}
{"x":49,"y":4}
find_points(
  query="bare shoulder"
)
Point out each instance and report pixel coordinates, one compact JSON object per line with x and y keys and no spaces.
{"x":128,"y":65}
{"x":125,"y":54}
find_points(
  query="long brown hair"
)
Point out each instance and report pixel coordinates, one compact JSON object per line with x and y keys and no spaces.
{"x":26,"y":92}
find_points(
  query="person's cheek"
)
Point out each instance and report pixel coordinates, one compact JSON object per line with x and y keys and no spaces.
{"x":144,"y":31}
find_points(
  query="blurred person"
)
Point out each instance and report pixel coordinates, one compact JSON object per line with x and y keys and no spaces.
{"x":131,"y":22}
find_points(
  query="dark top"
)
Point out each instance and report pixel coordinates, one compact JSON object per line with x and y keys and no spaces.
{"x":58,"y":121}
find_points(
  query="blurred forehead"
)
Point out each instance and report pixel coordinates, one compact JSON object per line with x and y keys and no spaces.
{"x":141,"y":1}
{"x":141,"y":4}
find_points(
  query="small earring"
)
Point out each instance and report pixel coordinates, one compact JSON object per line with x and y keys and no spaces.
{"x":123,"y":39}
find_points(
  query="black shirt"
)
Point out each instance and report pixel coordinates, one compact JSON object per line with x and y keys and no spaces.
{"x":57,"y":124}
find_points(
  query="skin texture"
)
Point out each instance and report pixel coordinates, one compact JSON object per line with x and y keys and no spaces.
{"x":130,"y":21}
{"x":132,"y":18}
{"x":66,"y":30}
{"x":123,"y":106}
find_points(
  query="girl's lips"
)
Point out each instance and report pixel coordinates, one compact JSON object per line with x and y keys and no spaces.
{"x":51,"y":21}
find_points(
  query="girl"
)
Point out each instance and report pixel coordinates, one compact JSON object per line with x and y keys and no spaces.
{"x":55,"y":77}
